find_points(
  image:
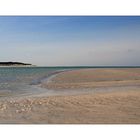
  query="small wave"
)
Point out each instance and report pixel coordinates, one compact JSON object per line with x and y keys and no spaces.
{"x":45,"y":78}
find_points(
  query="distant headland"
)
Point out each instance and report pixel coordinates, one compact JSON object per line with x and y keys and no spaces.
{"x":14,"y":64}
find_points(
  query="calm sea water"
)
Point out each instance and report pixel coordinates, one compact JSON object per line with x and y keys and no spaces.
{"x":22,"y":80}
{"x":25,"y":80}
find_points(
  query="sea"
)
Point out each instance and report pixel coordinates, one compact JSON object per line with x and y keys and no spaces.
{"x":25,"y":80}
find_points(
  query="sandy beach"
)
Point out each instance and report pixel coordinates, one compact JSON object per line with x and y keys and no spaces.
{"x":108,"y":96}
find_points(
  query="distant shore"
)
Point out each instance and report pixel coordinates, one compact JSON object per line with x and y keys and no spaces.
{"x":117,"y":101}
{"x":13,"y":64}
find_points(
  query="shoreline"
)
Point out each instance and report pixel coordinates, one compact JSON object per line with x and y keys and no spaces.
{"x":84,"y":106}
{"x":18,"y":66}
{"x":36,"y":84}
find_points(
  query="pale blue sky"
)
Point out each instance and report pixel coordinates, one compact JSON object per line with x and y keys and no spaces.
{"x":69,"y":40}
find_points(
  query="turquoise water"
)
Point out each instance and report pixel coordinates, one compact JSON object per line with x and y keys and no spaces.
{"x":22,"y":80}
{"x":25,"y":80}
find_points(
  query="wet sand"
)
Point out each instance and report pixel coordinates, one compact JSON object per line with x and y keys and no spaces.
{"x":120,"y":105}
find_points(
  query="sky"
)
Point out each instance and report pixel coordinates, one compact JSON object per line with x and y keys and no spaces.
{"x":71,"y":40}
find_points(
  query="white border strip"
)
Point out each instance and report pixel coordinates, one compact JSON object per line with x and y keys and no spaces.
{"x":71,"y":7}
